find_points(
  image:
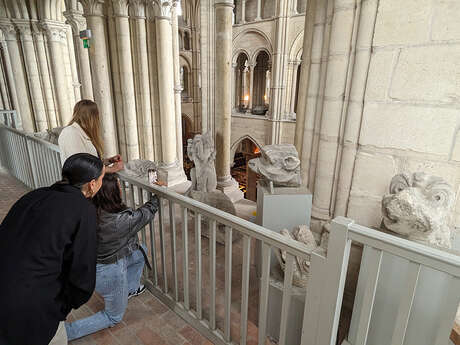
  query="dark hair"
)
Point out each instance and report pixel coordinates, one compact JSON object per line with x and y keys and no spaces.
{"x":108,"y":198}
{"x":81,"y":168}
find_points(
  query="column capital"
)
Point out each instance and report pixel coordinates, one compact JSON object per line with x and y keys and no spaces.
{"x":76,"y":20}
{"x":24,"y":28}
{"x":223,"y":3}
{"x":166,"y":7}
{"x":138,"y":7}
{"x":93,"y":7}
{"x":54,"y":31}
{"x":8,"y":29}
{"x":120,"y":8}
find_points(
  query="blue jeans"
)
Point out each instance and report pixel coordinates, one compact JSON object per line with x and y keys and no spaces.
{"x":113,"y":283}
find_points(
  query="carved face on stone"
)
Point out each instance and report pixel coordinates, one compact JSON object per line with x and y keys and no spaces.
{"x":419,"y":207}
{"x":278,"y":163}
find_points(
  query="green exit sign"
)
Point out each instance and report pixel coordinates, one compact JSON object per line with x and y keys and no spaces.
{"x":85,"y":43}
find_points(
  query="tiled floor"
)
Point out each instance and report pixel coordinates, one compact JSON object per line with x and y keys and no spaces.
{"x":10,"y":191}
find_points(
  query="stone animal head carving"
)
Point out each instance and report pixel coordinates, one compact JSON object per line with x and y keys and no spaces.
{"x":201,"y":151}
{"x":304,"y":235}
{"x":419,"y":207}
{"x":278,"y":163}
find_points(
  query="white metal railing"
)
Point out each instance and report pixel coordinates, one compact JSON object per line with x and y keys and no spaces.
{"x":164,"y":281}
{"x":10,"y":118}
{"x":328,"y":276}
{"x":35,"y":162}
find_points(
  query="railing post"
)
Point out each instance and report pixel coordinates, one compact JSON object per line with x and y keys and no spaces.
{"x":32,"y":167}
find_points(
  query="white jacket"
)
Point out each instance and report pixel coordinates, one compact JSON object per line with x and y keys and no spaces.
{"x":72,"y":140}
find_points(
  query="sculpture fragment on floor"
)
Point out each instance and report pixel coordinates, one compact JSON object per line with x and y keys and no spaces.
{"x":278,"y":164}
{"x":50,"y":135}
{"x":420,"y":208}
{"x":140,"y":168}
{"x":304,"y":235}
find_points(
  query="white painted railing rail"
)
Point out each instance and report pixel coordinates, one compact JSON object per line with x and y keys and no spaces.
{"x":167,"y":290}
{"x":328,"y":274}
{"x":35,"y":162}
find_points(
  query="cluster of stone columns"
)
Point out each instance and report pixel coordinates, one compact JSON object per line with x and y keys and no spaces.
{"x":135,"y":44}
{"x":40,"y":78}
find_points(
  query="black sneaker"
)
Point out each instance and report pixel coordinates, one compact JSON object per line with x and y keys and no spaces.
{"x":139,"y":291}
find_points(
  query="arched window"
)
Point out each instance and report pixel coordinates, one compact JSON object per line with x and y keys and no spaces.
{"x":184,"y":81}
{"x":261,"y":78}
{"x":242,"y":83}
{"x":186,"y":40}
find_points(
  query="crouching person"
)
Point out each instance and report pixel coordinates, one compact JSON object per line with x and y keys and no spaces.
{"x":120,"y":257}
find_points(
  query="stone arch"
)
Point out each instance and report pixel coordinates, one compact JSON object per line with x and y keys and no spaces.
{"x":296,"y":50}
{"x":237,"y":54}
{"x":256,"y":53}
{"x":238,"y":141}
{"x":264,"y":40}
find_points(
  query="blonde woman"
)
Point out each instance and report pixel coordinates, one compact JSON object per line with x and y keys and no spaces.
{"x":83,"y":135}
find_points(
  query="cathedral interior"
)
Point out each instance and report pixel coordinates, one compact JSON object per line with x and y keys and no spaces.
{"x":362,"y":90}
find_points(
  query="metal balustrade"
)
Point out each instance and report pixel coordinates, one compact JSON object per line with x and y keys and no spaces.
{"x":328,"y":274}
{"x":34,"y":162}
{"x":10,"y":118}
{"x":164,"y":281}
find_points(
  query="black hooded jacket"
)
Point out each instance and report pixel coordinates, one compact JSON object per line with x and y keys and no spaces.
{"x":47,"y":262}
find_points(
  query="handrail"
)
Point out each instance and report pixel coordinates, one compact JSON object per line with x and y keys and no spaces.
{"x":32,"y":137}
{"x":432,"y":257}
{"x":225,"y":218}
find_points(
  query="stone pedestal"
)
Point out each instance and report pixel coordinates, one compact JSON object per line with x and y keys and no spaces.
{"x":172,"y":174}
{"x":230,"y":188}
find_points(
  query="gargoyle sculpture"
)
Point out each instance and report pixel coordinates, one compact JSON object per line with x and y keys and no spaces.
{"x":279,"y":164}
{"x":419,"y":207}
{"x":50,"y":135}
{"x":201,"y":151}
{"x":304,"y":235}
{"x":140,"y":168}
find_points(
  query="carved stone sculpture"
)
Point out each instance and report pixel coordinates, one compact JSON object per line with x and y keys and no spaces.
{"x":140,"y":168}
{"x":304,"y":235}
{"x":419,"y":207}
{"x":50,"y":135}
{"x":279,"y":164}
{"x":201,"y":151}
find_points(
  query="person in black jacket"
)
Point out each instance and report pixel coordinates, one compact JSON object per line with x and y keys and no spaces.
{"x":120,"y":257}
{"x":48,"y":254}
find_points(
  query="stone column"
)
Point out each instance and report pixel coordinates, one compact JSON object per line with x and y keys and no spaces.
{"x":169,"y":165}
{"x":78,"y":23}
{"x":9,"y":77}
{"x":243,"y":11}
{"x":45,"y":77}
{"x":177,"y":84}
{"x":251,"y":87}
{"x":279,"y":75}
{"x":234,"y":85}
{"x":223,"y":102}
{"x":363,"y":50}
{"x":73,"y":64}
{"x":93,"y":11}
{"x":55,"y":33}
{"x":331,"y":114}
{"x":259,"y":10}
{"x":295,"y":69}
{"x":22,"y":102}
{"x":33,"y":76}
{"x":4,"y":85}
{"x":143,"y":82}
{"x":120,"y":9}
{"x":304,"y":77}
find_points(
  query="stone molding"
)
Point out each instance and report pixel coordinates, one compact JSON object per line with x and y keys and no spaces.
{"x":120,"y":8}
{"x":54,"y":31}
{"x":93,"y":7}
{"x":76,"y":20}
{"x":8,"y":29}
{"x":166,"y":7}
{"x":139,"y":8}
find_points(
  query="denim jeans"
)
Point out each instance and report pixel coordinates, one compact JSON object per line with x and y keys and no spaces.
{"x":113,"y":283}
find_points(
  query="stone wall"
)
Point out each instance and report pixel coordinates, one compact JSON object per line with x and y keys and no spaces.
{"x":411,"y":116}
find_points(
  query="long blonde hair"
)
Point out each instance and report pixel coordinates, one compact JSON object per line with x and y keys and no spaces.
{"x":86,"y":115}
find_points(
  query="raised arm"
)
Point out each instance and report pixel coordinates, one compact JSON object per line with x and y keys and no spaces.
{"x":134,"y":220}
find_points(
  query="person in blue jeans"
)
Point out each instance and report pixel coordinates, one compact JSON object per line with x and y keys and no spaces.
{"x":120,"y":257}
